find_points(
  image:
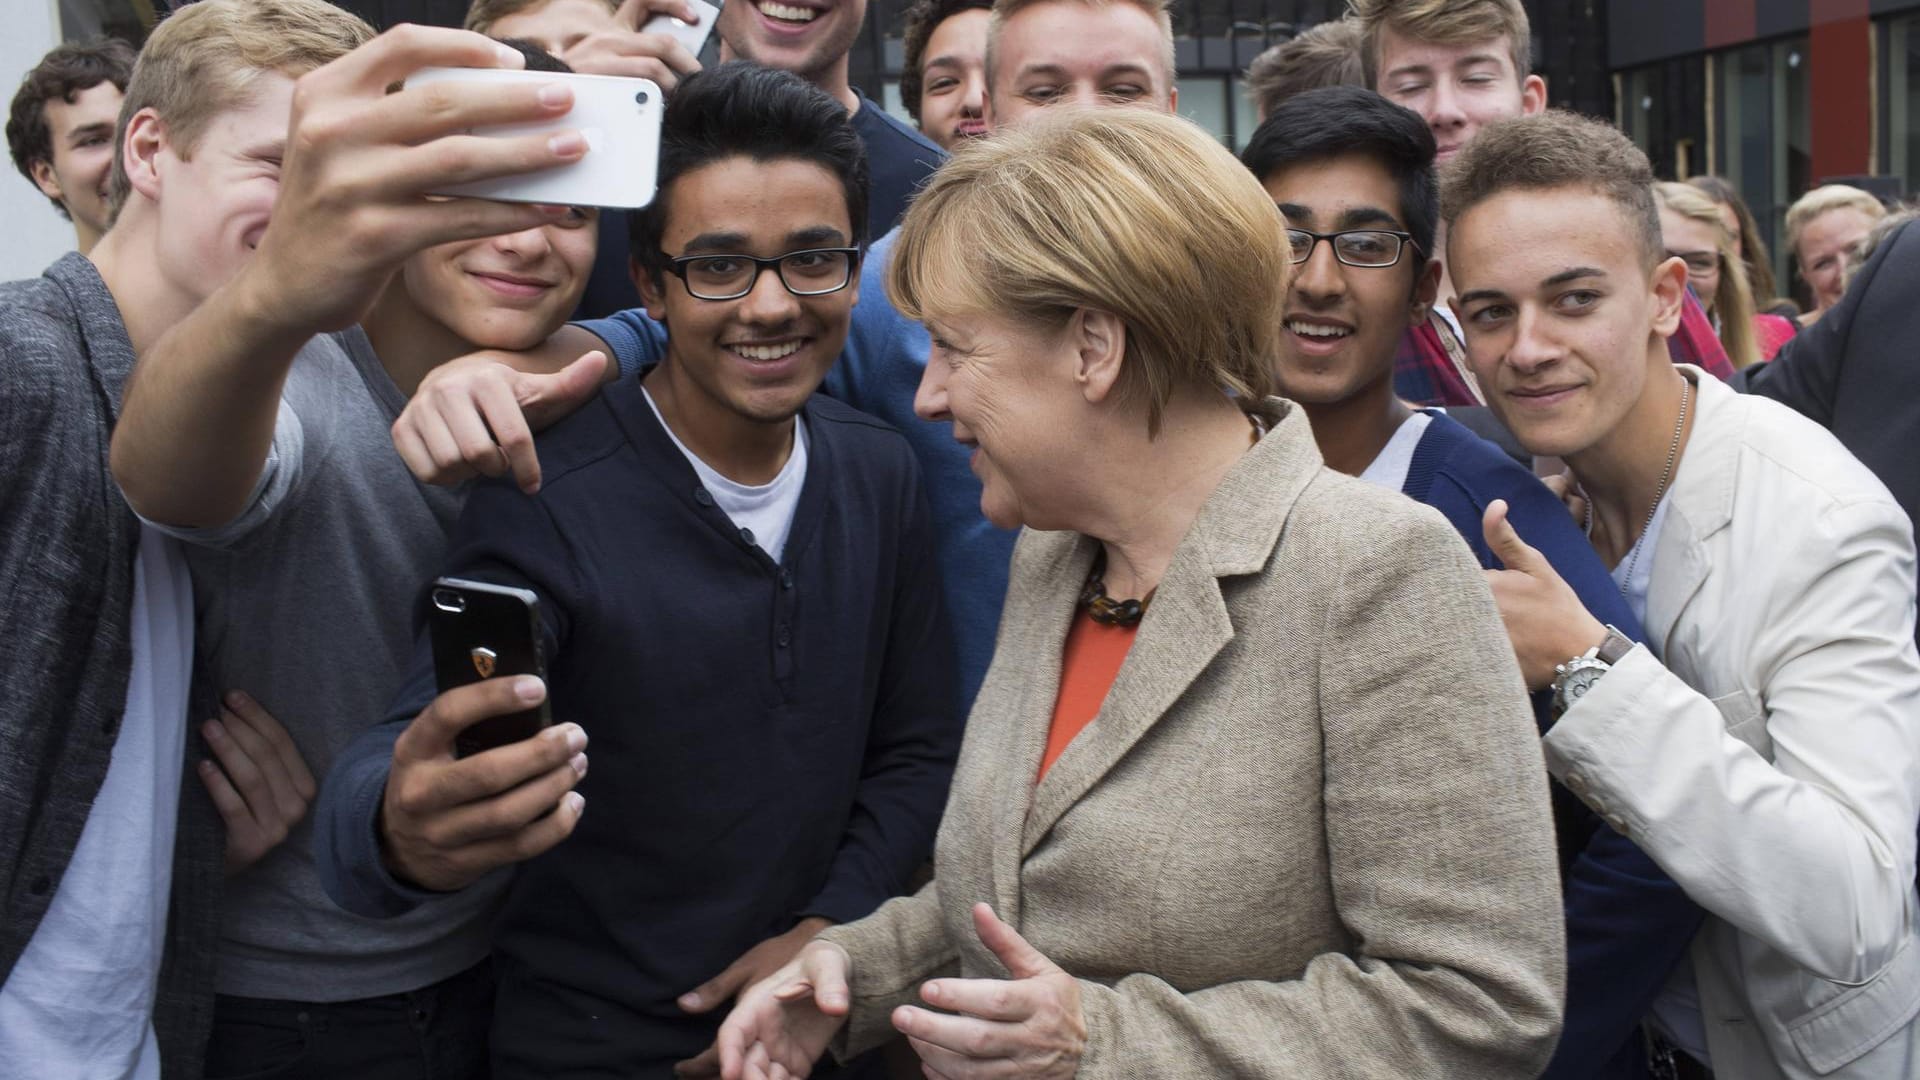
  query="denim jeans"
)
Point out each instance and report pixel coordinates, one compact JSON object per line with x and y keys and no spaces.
{"x":438,"y":1032}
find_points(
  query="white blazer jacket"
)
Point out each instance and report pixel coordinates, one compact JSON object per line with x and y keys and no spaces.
{"x":1766,"y":751}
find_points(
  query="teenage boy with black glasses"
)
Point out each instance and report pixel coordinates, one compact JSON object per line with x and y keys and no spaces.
{"x":740,"y":605}
{"x":1347,"y":162}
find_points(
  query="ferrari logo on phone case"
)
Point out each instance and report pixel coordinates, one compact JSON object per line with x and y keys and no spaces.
{"x":483,"y":661}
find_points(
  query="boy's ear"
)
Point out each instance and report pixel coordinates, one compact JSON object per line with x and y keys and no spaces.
{"x":1669,"y":296}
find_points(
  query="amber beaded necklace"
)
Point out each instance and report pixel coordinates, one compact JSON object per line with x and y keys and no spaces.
{"x":1107,"y":611}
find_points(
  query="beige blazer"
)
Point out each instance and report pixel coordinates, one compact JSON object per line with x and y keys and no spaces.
{"x":1308,"y":833}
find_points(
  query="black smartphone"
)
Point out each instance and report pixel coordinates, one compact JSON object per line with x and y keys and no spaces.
{"x":483,"y":631}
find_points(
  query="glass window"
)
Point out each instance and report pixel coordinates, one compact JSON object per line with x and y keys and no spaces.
{"x":1204,"y":101}
{"x":1764,"y":134}
{"x":1900,"y":45}
{"x":83,"y":20}
{"x":1244,"y":118}
{"x":895,"y":105}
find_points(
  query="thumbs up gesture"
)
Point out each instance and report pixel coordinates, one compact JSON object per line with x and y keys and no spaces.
{"x":1029,"y":1025}
{"x":1546,"y":622}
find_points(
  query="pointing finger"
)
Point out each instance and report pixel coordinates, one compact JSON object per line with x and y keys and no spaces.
{"x":1023,"y":961}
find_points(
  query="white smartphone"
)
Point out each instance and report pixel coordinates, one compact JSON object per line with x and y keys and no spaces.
{"x":620,"y":118}
{"x":692,"y":35}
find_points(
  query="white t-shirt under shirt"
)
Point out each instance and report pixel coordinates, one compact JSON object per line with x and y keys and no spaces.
{"x":764,"y":511}
{"x":79,"y":1001}
{"x":1389,"y":468}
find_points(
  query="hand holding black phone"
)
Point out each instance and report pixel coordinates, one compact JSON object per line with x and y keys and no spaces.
{"x":482,"y":631}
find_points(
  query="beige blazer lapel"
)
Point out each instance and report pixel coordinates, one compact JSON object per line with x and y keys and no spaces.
{"x":1041,"y":604}
{"x":1184,"y":628}
{"x":1187,"y":623}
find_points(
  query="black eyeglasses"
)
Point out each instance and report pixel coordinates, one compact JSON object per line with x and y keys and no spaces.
{"x":1370,"y":248}
{"x":813,"y":272}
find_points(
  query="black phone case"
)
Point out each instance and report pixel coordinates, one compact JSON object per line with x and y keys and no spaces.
{"x":483,"y":631}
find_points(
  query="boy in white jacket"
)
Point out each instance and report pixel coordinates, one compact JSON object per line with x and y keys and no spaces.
{"x":1764,"y":746}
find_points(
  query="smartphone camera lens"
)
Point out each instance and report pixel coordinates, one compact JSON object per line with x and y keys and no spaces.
{"x":640,"y":97}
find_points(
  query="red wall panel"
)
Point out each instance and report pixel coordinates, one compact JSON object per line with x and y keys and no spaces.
{"x":1728,"y":22}
{"x":1840,"y":83}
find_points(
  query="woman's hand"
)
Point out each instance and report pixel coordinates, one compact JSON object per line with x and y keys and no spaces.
{"x":1029,"y":1026}
{"x":781,"y":1026}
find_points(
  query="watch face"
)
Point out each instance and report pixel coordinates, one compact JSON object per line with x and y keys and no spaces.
{"x":1579,"y":682}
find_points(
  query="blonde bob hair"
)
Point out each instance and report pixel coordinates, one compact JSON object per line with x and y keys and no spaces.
{"x":1824,"y":200}
{"x":201,"y":61}
{"x":1732,"y":302}
{"x":1134,"y":212}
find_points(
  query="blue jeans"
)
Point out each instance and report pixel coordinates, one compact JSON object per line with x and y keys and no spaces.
{"x":438,"y":1032}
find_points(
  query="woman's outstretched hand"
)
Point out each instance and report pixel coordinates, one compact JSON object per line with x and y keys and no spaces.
{"x":1030,"y":1025}
{"x":782,"y":1024}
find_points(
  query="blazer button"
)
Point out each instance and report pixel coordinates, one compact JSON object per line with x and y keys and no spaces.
{"x":786,"y":577}
{"x":786,"y":636}
{"x":1577,"y":782}
{"x":746,"y":535}
{"x":1619,"y":824}
{"x":701,"y":496}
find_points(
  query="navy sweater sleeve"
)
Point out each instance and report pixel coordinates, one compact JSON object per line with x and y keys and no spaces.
{"x":913,"y":740}
{"x":1628,"y":923}
{"x":506,"y":538}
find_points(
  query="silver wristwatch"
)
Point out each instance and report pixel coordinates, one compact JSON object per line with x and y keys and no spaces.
{"x":1574,"y":678}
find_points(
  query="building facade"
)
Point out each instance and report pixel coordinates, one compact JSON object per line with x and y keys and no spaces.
{"x":1777,"y":96}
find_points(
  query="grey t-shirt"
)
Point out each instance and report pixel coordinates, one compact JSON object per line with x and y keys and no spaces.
{"x":306,"y":601}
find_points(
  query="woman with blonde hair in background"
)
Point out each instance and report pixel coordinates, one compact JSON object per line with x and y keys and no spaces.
{"x":1252,"y":771}
{"x":1696,"y":233}
{"x":1823,"y":227}
{"x":1748,"y":244}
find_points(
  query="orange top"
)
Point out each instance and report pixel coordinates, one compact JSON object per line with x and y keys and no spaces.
{"x":1088,"y":665}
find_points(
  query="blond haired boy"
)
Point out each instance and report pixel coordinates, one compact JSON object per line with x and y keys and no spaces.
{"x":269,"y":185}
{"x":113,"y":858}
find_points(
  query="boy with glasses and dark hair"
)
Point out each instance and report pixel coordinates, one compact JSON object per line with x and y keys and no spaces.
{"x":1353,"y":173}
{"x":740,"y":605}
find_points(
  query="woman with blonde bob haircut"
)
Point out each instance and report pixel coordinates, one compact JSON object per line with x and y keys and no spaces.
{"x":1252,"y":773}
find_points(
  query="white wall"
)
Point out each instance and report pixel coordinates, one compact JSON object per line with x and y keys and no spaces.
{"x":32,"y":232}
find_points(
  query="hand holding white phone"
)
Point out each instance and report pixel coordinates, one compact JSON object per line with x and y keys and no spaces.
{"x":618,"y":117}
{"x":692,"y":35}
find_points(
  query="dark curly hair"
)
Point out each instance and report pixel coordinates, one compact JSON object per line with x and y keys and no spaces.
{"x":922,"y":19}
{"x":62,"y":74}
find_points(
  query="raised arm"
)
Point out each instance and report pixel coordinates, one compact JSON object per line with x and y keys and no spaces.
{"x":200,"y":408}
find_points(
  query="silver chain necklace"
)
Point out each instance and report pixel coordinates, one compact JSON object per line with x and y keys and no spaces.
{"x":1666,"y":475}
